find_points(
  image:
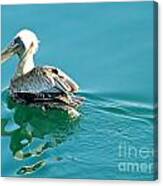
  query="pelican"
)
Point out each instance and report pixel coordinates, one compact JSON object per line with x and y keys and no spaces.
{"x":46,"y":86}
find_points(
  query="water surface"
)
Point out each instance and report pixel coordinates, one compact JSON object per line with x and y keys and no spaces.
{"x":108,"y":49}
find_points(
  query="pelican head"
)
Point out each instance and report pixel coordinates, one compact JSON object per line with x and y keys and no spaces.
{"x":24,"y":42}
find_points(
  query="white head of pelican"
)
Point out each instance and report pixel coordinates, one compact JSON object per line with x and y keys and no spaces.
{"x":28,"y":38}
{"x":25,"y":44}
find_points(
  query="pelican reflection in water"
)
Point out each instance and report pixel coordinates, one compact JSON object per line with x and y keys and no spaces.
{"x":45,"y":87}
{"x":34,"y":133}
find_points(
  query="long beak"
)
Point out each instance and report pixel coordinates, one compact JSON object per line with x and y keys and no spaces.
{"x":9,"y":52}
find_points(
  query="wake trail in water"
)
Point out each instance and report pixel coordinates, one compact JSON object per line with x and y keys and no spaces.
{"x":129,"y":109}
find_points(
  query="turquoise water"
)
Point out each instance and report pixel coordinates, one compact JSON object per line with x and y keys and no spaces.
{"x":108,"y":49}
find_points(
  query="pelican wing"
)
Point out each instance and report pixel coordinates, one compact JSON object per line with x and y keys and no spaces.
{"x":40,"y":79}
{"x":69,"y":84}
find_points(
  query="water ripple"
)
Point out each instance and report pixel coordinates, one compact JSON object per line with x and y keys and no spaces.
{"x":121,"y":108}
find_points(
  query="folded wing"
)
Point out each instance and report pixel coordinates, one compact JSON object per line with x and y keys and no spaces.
{"x":44,"y":79}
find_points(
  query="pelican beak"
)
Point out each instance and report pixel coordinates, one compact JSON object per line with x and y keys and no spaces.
{"x":11,"y":50}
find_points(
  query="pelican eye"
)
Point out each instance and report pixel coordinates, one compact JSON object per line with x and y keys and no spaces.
{"x":12,"y":43}
{"x":17,"y":42}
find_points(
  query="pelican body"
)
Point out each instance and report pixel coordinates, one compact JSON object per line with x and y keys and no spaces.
{"x":47,"y":86}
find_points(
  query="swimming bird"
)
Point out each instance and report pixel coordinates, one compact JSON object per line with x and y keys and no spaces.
{"x":46,"y":86}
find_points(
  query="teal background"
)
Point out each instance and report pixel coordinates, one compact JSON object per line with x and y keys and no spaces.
{"x":108,"y":49}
